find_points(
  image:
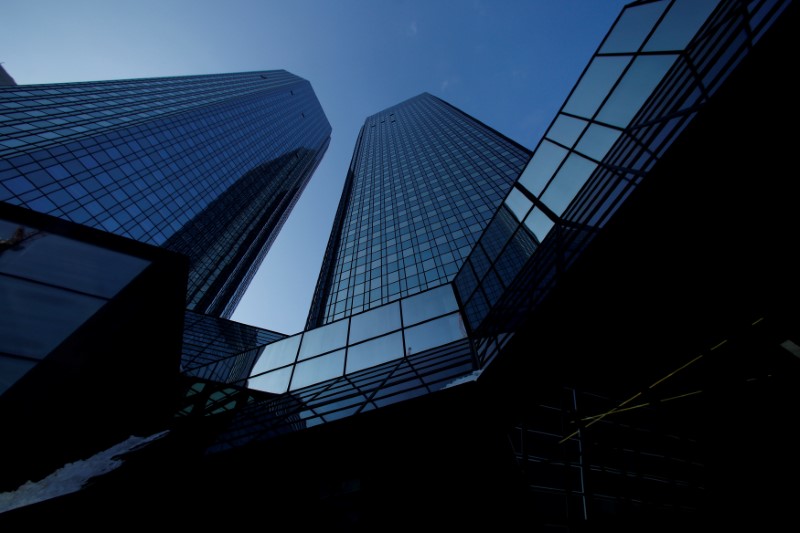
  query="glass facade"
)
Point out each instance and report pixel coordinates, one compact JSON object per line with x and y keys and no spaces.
{"x":381,"y":335}
{"x":661,"y":62}
{"x":221,"y":350}
{"x":424,"y":180}
{"x":208,"y":166}
{"x":50,"y":285}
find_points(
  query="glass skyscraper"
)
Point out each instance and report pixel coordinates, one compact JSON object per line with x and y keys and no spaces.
{"x":424,"y":181}
{"x":208,"y":166}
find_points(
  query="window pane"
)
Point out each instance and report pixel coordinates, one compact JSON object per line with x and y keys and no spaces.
{"x":276,"y":381}
{"x":595,"y":85}
{"x":37,"y":318}
{"x":541,"y":167}
{"x":277,"y":354}
{"x":680,"y":25}
{"x":567,"y":183}
{"x":632,"y":92}
{"x":434,"y":333}
{"x":429,"y":304}
{"x":375,"y":322}
{"x":566,"y":129}
{"x":66,"y":262}
{"x":518,"y":204}
{"x":319,"y":369}
{"x":632,"y":27}
{"x":324,"y":339}
{"x":597,"y":141}
{"x":375,"y":352}
{"x":539,"y":224}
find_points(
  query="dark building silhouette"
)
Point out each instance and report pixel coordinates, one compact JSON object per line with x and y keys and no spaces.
{"x":209,"y":166}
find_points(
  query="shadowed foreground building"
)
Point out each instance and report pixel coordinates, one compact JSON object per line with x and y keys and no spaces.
{"x":618,"y":346}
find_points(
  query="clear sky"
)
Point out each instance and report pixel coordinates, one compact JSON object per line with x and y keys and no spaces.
{"x":508,"y":63}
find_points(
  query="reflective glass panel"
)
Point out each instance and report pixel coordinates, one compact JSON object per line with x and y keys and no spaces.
{"x":276,"y":381}
{"x":37,"y":318}
{"x":429,"y":304}
{"x":518,"y":204}
{"x":565,"y":130}
{"x":567,"y":183}
{"x":375,"y":322}
{"x":539,"y":223}
{"x":324,"y":339}
{"x":318,"y":369}
{"x":277,"y":354}
{"x":541,"y":167}
{"x":639,"y":82}
{"x":680,"y":25}
{"x":597,"y":141}
{"x":434,"y":333}
{"x":595,"y":85}
{"x":375,"y":352}
{"x":66,"y":262}
{"x":633,"y":26}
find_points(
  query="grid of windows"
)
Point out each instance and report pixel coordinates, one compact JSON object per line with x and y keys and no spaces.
{"x":219,"y":349}
{"x":357,"y":392}
{"x":159,"y":161}
{"x":659,"y":64}
{"x":426,"y":178}
{"x":386,"y":333}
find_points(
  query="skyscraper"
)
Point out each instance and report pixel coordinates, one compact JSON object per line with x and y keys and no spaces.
{"x":424,"y":180}
{"x":208,"y":166}
{"x":633,"y":335}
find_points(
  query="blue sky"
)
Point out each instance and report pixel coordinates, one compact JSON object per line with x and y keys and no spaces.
{"x":508,"y":63}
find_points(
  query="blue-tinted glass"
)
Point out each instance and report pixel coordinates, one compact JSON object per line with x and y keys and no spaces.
{"x":40,"y":317}
{"x":434,"y":333}
{"x":324,"y":339}
{"x":597,"y":141}
{"x":680,"y":24}
{"x":567,"y":183}
{"x":428,"y":304}
{"x":277,"y":354}
{"x":424,"y":183}
{"x":207,"y":166}
{"x":67,"y":263}
{"x":632,"y":27}
{"x":595,"y":84}
{"x":542,"y":166}
{"x":276,"y":381}
{"x":566,"y":130}
{"x":518,"y":204}
{"x":539,"y":223}
{"x":319,"y":369}
{"x":640,"y":80}
{"x":374,"y":352}
{"x":375,"y":322}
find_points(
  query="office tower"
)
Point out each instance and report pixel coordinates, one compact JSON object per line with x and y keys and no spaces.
{"x":614,"y":308}
{"x":636,"y":340}
{"x":208,"y":166}
{"x":424,"y":180}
